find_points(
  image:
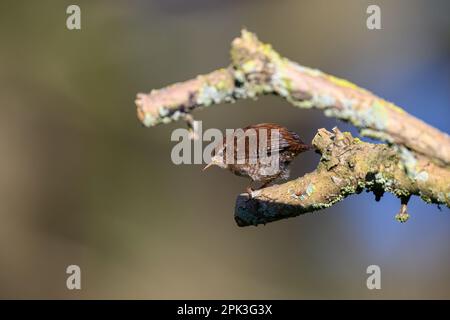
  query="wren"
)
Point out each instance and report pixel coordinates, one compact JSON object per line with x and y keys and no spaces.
{"x":261,"y":152}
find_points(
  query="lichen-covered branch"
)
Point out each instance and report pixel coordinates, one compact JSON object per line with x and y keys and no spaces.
{"x":258,"y":69}
{"x":347,"y":166}
{"x":416,"y":160}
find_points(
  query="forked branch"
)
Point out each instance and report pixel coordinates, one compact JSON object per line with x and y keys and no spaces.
{"x":347,"y":166}
{"x":418,"y":155}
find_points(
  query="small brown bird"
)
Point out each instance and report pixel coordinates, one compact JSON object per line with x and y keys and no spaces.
{"x":261,"y":152}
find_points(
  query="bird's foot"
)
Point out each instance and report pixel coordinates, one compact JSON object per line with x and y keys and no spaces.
{"x":249,"y":191}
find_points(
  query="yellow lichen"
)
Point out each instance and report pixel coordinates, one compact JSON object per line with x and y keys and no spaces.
{"x":394,"y":107}
{"x":342,"y":82}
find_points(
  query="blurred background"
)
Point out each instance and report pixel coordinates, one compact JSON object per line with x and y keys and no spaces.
{"x":82,"y":182}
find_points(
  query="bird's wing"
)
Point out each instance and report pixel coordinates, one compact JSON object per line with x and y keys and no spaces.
{"x":253,"y":144}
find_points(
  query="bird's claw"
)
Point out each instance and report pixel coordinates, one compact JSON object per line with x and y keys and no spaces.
{"x":249,"y":191}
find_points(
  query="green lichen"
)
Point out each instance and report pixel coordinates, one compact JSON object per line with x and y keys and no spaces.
{"x":163,"y":112}
{"x":363,"y":184}
{"x":304,"y":104}
{"x":384,"y":181}
{"x":374,"y":117}
{"x":310,"y":189}
{"x":163,"y":116}
{"x":402,"y":217}
{"x":426,"y":198}
{"x":323,"y":205}
{"x":216,"y":89}
{"x":348,"y":189}
{"x":421,"y":176}
{"x":374,"y":134}
{"x":303,"y":196}
{"x":280,"y":84}
{"x":409,"y":161}
{"x":400,"y":192}
{"x":149,"y":120}
{"x":319,"y":206}
{"x":165,"y":120}
{"x":222,"y":84}
{"x":177,"y":115}
{"x":249,"y":66}
{"x":209,"y":95}
{"x":323,"y":101}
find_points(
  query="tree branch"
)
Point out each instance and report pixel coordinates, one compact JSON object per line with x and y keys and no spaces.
{"x":421,"y":152}
{"x":347,"y":166}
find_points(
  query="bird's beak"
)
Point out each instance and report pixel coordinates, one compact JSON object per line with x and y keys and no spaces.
{"x":208,"y":165}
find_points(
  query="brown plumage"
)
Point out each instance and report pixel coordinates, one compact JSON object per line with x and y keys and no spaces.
{"x":261,"y":152}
